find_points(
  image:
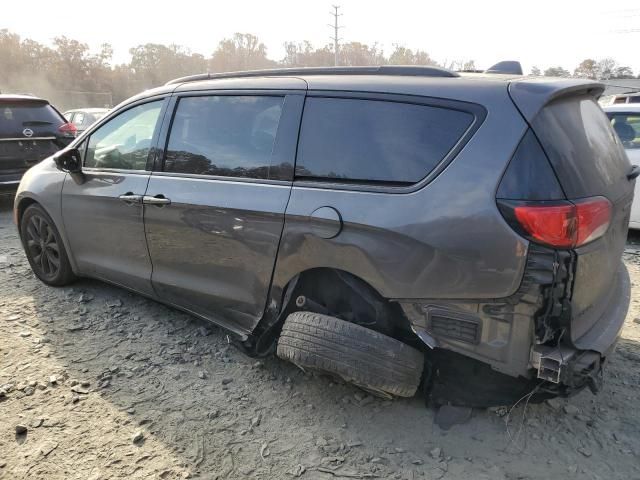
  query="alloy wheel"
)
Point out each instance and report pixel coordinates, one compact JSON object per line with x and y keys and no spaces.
{"x":42,"y":246}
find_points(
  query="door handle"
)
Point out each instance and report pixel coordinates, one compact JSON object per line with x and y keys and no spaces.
{"x":157,"y":200}
{"x":131,"y":198}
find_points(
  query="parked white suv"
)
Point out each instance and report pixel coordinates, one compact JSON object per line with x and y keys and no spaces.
{"x":625,"y":119}
{"x":620,"y":99}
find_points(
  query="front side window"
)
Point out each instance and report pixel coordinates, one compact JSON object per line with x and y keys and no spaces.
{"x":231,"y":136}
{"x":124,"y":141}
{"x":627,"y":126}
{"x":375,"y":141}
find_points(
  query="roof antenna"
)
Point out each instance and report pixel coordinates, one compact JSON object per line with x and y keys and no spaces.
{"x":506,"y":67}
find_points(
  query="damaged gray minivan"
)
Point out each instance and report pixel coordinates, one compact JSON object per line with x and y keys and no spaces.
{"x":392,"y":226}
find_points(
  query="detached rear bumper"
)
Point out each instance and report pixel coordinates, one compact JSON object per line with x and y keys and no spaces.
{"x":581,"y":364}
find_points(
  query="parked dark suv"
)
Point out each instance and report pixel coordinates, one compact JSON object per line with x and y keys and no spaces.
{"x":392,"y":226}
{"x":30,"y":130}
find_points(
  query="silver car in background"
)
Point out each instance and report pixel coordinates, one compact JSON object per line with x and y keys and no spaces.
{"x":83,"y":118}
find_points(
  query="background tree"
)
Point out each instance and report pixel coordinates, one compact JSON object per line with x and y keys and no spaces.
{"x":588,"y":68}
{"x":65,"y":67}
{"x":359,"y":54}
{"x":305,"y":55}
{"x":242,"y":52}
{"x":606,"y":68}
{"x":622,"y":72}
{"x":535,"y":71}
{"x":406,"y":56}
{"x":556,"y":72}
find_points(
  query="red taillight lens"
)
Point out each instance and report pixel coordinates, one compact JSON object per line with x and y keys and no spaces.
{"x":594,"y":216}
{"x":553,"y":225}
{"x":68,"y":129}
{"x":561,"y":224}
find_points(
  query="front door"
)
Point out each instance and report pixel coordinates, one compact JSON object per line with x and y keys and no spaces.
{"x":102,"y":209}
{"x":216,"y":209}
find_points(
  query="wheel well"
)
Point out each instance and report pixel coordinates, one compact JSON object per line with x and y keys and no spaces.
{"x":346,"y":296}
{"x":22,"y":206}
{"x":332,"y":292}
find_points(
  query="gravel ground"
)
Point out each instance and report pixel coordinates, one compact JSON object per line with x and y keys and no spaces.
{"x":108,"y":384}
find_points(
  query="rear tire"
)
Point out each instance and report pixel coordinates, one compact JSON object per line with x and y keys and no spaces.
{"x":364,"y":357}
{"x":44,"y":248}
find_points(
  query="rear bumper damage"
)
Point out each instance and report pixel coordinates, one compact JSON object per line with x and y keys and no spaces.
{"x":580,"y":365}
{"x":526,"y":336}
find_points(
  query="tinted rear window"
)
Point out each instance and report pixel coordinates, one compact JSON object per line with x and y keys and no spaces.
{"x":583,"y":148}
{"x":16,"y":116}
{"x":378,"y":141}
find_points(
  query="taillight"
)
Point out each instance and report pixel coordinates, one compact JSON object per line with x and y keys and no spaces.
{"x":594,"y":216}
{"x":68,"y":129}
{"x":561,"y":224}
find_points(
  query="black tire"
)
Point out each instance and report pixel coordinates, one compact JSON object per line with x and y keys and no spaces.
{"x":44,"y":248}
{"x":364,"y":357}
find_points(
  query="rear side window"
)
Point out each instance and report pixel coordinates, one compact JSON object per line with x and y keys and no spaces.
{"x":582,"y":147}
{"x":627,"y":126}
{"x":374,"y":140}
{"x":231,"y":136}
{"x":16,"y":116}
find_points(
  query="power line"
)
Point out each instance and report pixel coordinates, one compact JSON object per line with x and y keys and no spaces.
{"x":627,"y":30}
{"x":336,"y":39}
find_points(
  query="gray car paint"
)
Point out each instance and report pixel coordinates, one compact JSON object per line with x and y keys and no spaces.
{"x":444,"y":239}
{"x":106,"y":235}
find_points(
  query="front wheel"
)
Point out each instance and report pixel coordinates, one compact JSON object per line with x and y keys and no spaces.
{"x":44,"y":248}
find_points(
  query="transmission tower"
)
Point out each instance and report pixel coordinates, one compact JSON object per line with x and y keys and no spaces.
{"x":336,"y":39}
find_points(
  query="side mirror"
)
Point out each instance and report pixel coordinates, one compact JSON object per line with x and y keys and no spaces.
{"x":69,"y":160}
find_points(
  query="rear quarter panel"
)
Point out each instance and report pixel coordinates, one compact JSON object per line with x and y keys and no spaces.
{"x":446,"y":240}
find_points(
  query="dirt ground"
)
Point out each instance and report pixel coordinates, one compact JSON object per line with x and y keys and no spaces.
{"x":111,"y":385}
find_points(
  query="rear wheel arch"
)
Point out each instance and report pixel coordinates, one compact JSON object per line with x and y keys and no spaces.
{"x":333,"y":292}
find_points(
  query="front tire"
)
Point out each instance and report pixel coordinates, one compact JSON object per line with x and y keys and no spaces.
{"x":44,"y":248}
{"x":364,"y":357}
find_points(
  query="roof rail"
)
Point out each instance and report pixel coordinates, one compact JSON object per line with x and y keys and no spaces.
{"x":399,"y":70}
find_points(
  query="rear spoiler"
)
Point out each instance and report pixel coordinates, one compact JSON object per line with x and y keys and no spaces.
{"x":531,"y":94}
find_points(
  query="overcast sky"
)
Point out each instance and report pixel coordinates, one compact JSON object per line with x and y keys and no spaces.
{"x":543,"y":33}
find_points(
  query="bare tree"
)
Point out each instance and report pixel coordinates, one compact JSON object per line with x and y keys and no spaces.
{"x":606,"y":67}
